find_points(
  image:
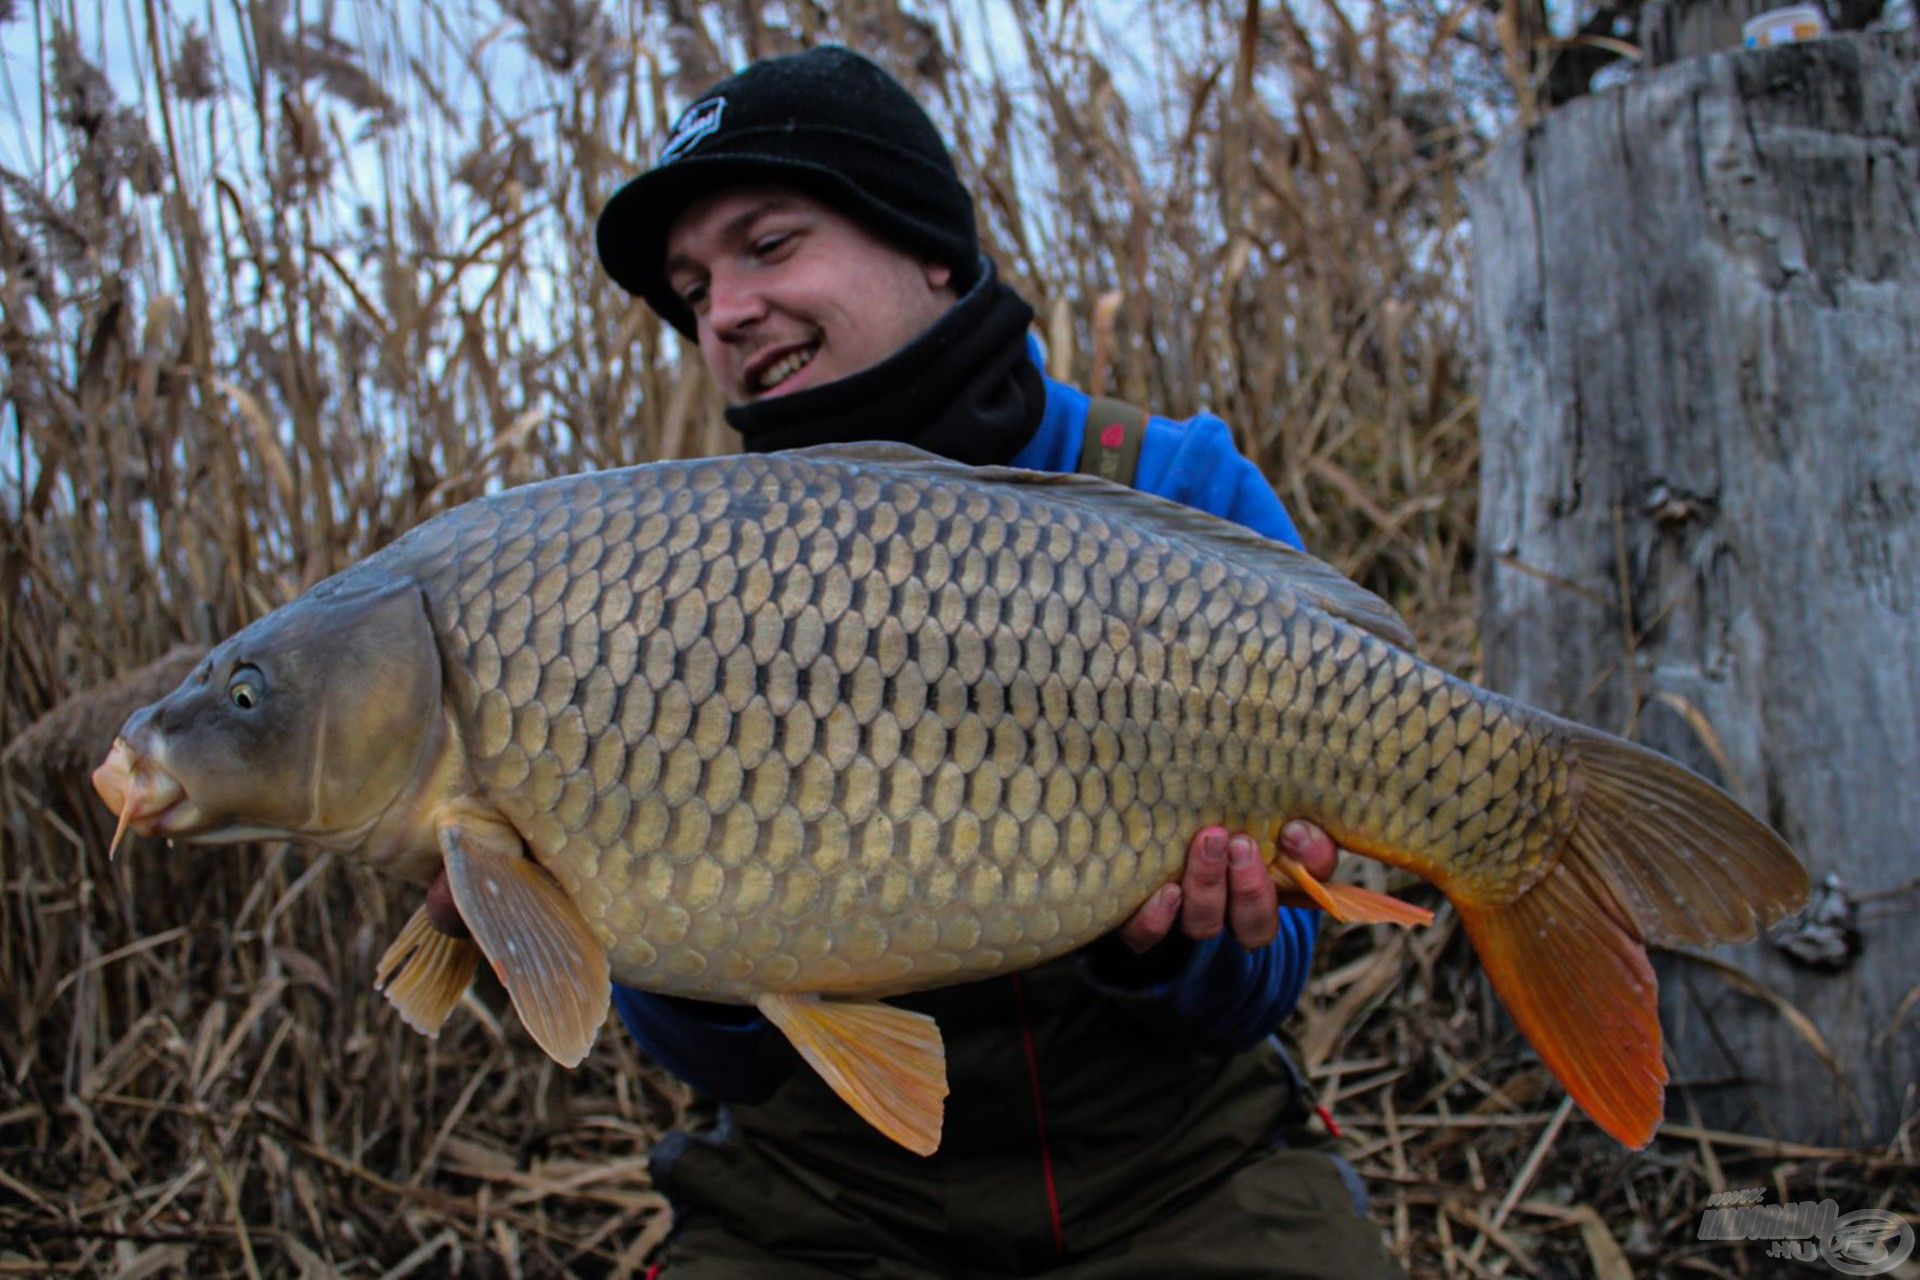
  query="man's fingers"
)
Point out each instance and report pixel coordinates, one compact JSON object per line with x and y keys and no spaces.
{"x":1204,"y":885}
{"x":1311,"y":847}
{"x":1153,"y":920}
{"x":1252,"y":903}
{"x":442,"y":914}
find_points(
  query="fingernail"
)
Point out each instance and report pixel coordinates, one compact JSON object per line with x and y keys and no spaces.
{"x":1169,"y":896}
{"x":1241,"y":852}
{"x":1213,"y":847}
{"x":1294,"y":834}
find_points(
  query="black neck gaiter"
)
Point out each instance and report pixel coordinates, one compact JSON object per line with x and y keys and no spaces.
{"x":965,"y":389}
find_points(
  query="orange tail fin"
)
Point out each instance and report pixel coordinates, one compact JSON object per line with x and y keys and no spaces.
{"x":1656,"y":854}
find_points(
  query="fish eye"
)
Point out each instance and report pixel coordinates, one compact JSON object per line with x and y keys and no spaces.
{"x":246,"y":689}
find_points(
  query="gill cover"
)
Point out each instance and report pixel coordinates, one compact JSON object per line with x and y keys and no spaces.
{"x":309,"y":722}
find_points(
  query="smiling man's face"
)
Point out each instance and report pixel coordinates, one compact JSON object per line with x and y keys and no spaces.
{"x":790,"y":294}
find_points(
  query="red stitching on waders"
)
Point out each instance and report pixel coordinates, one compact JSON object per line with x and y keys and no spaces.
{"x":1039,"y":1117}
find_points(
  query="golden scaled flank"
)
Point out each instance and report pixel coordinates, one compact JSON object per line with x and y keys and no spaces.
{"x":742,"y":703}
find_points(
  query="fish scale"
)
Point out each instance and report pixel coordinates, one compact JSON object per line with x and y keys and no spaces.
{"x":873,"y":732}
{"x":809,"y":729}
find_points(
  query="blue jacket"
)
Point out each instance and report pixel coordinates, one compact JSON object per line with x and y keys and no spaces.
{"x":1221,"y":992}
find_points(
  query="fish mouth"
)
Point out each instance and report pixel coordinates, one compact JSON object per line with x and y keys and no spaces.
{"x":148,"y":799}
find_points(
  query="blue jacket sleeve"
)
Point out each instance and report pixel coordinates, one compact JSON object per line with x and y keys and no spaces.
{"x":1229,"y":996}
{"x":1195,"y":462}
{"x":727,"y":1052}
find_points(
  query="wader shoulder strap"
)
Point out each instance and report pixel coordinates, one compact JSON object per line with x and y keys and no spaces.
{"x":1110,"y":448}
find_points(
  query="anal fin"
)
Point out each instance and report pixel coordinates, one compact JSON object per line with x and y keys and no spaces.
{"x":888,"y":1064}
{"x":533,"y":935}
{"x":1347,"y":903}
{"x":425,"y":972}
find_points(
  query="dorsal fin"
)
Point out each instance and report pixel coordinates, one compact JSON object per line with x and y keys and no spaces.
{"x":1317,"y":582}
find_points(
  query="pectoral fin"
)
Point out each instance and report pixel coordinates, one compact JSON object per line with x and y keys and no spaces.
{"x":1346,"y":903}
{"x":425,"y":972}
{"x":888,"y":1064}
{"x":534,"y":937}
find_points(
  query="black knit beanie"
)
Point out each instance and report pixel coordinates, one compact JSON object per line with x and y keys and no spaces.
{"x":827,"y":122}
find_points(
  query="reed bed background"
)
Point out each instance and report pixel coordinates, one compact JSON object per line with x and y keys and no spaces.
{"x":278,"y":281}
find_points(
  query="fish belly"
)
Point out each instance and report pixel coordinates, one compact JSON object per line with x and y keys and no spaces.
{"x":784,"y":727}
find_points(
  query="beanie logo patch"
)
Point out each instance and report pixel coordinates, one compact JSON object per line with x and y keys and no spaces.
{"x":699,"y":121}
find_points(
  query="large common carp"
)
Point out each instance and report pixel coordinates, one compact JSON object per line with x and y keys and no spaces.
{"x":809,"y":729}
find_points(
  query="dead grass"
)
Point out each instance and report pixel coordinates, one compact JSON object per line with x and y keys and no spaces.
{"x":280,"y":290}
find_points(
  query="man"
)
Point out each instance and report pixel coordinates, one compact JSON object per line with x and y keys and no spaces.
{"x":1121,"y":1112}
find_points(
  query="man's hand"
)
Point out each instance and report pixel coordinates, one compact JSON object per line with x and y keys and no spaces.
{"x":442,"y":914}
{"x":1225,"y":885}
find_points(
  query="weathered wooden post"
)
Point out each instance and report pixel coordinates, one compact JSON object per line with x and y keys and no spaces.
{"x":1698,"y":300}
